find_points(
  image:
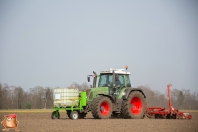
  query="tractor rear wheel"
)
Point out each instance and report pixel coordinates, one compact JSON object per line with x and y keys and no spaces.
{"x":134,"y":107}
{"x":102,"y":108}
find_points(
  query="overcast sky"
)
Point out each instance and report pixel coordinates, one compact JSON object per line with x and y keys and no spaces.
{"x":54,"y":43}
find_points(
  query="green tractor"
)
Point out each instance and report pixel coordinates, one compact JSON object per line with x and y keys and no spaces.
{"x":113,"y":97}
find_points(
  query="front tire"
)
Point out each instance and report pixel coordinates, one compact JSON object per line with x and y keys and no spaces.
{"x":134,"y":107}
{"x":102,"y":108}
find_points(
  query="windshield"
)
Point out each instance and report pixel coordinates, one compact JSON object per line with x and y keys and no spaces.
{"x":105,"y":80}
{"x":128,"y":81}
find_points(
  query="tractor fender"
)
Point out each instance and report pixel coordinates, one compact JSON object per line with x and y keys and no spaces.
{"x":110,"y":97}
{"x":129,"y":90}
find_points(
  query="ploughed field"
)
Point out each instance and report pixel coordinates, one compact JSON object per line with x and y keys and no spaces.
{"x":40,"y":121}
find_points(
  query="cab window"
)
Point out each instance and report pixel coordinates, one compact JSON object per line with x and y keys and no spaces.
{"x":128,"y":83}
{"x":120,"y":80}
{"x":105,"y":80}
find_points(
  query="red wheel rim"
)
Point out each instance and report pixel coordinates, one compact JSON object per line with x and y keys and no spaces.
{"x":104,"y":108}
{"x":136,"y":105}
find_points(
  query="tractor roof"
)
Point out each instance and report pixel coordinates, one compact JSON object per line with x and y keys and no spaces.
{"x":118,"y":71}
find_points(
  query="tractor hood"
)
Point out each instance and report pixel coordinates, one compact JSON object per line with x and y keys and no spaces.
{"x":94,"y":92}
{"x":100,"y":90}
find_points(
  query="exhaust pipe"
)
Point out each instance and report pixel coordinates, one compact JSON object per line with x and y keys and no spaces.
{"x":95,"y":79}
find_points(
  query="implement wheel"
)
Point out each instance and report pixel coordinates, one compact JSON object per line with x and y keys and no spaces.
{"x":134,"y":107}
{"x":53,"y":115}
{"x":74,"y":115}
{"x":102,"y":108}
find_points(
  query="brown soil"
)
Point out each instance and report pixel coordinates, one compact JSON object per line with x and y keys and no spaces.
{"x":42,"y":122}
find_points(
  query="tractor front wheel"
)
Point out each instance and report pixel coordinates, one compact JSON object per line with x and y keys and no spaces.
{"x":134,"y":107}
{"x":102,"y":108}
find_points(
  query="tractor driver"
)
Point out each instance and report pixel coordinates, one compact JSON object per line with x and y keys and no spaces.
{"x":119,"y":81}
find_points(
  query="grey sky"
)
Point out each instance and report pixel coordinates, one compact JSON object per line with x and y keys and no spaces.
{"x":55,"y":43}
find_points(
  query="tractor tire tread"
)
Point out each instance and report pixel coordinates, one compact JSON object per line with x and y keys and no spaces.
{"x":96,"y":107}
{"x":125,"y":109}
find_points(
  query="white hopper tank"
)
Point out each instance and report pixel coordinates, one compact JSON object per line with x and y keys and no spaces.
{"x":66,"y":97}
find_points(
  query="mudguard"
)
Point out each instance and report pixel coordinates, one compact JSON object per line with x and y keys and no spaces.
{"x":129,"y":90}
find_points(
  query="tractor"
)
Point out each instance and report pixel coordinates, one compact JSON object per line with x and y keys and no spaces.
{"x":112,"y":97}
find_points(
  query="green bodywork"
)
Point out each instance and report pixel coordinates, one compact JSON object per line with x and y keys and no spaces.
{"x":95,"y":92}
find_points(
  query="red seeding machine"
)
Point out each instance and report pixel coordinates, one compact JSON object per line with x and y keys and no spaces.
{"x":170,"y":113}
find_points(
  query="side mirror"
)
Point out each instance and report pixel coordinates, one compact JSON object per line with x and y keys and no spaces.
{"x":116,"y":77}
{"x":88,"y":78}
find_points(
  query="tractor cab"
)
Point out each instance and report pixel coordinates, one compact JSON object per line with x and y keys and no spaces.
{"x":112,"y":82}
{"x":114,"y":95}
{"x":115,"y":80}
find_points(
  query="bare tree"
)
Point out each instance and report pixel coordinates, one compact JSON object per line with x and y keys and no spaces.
{"x":5,"y":96}
{"x":40,"y":96}
{"x":81,"y":87}
{"x":48,"y":97}
{"x":174,"y":97}
{"x":19,"y":96}
{"x":84,"y":86}
{"x":180,"y":99}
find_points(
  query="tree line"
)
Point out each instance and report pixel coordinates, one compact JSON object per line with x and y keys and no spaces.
{"x":12,"y":97}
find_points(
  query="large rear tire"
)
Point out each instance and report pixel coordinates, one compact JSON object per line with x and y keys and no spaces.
{"x":134,"y":107}
{"x":102,"y":108}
